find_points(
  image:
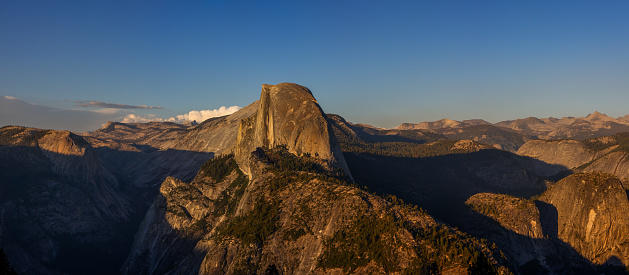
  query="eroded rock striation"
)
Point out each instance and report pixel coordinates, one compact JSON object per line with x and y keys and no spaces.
{"x":288,"y":115}
{"x":592,"y":216}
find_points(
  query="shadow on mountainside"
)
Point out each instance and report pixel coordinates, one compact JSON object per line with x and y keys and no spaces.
{"x":441,"y":184}
{"x":173,"y":250}
{"x":77,"y":214}
{"x":528,"y":255}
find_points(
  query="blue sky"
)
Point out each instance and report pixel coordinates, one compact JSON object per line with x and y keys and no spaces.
{"x":376,"y":62}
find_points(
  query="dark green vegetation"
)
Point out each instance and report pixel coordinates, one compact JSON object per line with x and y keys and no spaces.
{"x":226,"y":203}
{"x":219,"y":167}
{"x":379,"y":239}
{"x":5,"y":267}
{"x":256,"y":225}
{"x":599,"y":144}
{"x":489,"y":134}
{"x":366,"y":239}
{"x":289,"y":168}
{"x":20,"y":136}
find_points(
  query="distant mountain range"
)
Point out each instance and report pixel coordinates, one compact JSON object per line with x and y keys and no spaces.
{"x":511,"y":134}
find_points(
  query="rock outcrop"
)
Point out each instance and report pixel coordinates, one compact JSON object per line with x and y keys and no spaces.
{"x":592,"y":216}
{"x":604,"y":154}
{"x":615,"y":163}
{"x":514,"y":224}
{"x":563,"y":154}
{"x":516,"y":214}
{"x":215,"y":135}
{"x":288,"y":115}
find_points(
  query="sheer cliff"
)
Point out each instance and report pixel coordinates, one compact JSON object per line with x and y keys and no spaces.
{"x":591,"y":216}
{"x":578,"y":226}
{"x":288,"y":115}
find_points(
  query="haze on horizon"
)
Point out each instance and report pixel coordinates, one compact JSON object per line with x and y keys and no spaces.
{"x":74,"y":65}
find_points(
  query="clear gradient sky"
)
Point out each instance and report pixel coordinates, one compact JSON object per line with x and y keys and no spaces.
{"x":375,"y":62}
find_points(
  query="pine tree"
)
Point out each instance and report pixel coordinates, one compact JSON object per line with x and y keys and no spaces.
{"x":5,"y":267}
{"x":272,"y":270}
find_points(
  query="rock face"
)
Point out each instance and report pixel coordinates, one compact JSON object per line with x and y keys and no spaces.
{"x":615,"y":163}
{"x":514,"y":224}
{"x":579,"y":225}
{"x":58,"y":201}
{"x":565,"y":154}
{"x":604,"y":154}
{"x":592,"y":216}
{"x":515,"y":214}
{"x":475,"y":129}
{"x":288,"y":115}
{"x":444,"y":123}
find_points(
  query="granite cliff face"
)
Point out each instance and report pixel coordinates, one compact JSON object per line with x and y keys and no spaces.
{"x":567,"y":153}
{"x":592,"y":216}
{"x":514,"y":225}
{"x":288,"y":115}
{"x":604,"y":154}
{"x":579,"y":225}
{"x":563,"y":154}
{"x":615,"y":163}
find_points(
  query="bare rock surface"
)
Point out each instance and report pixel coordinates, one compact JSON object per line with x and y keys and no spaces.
{"x":565,"y":154}
{"x":288,"y":115}
{"x":592,"y":216}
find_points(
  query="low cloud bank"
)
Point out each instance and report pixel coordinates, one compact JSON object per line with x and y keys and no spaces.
{"x":198,"y":116}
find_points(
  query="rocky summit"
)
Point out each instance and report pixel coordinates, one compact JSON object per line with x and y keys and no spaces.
{"x":288,"y":115}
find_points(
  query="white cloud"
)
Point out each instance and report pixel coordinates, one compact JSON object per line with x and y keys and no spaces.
{"x":198,"y":116}
{"x":133,"y":118}
{"x":202,"y":115}
{"x":11,"y":97}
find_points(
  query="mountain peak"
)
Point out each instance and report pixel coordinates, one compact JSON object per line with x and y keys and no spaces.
{"x":288,"y":115}
{"x":596,"y":116}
